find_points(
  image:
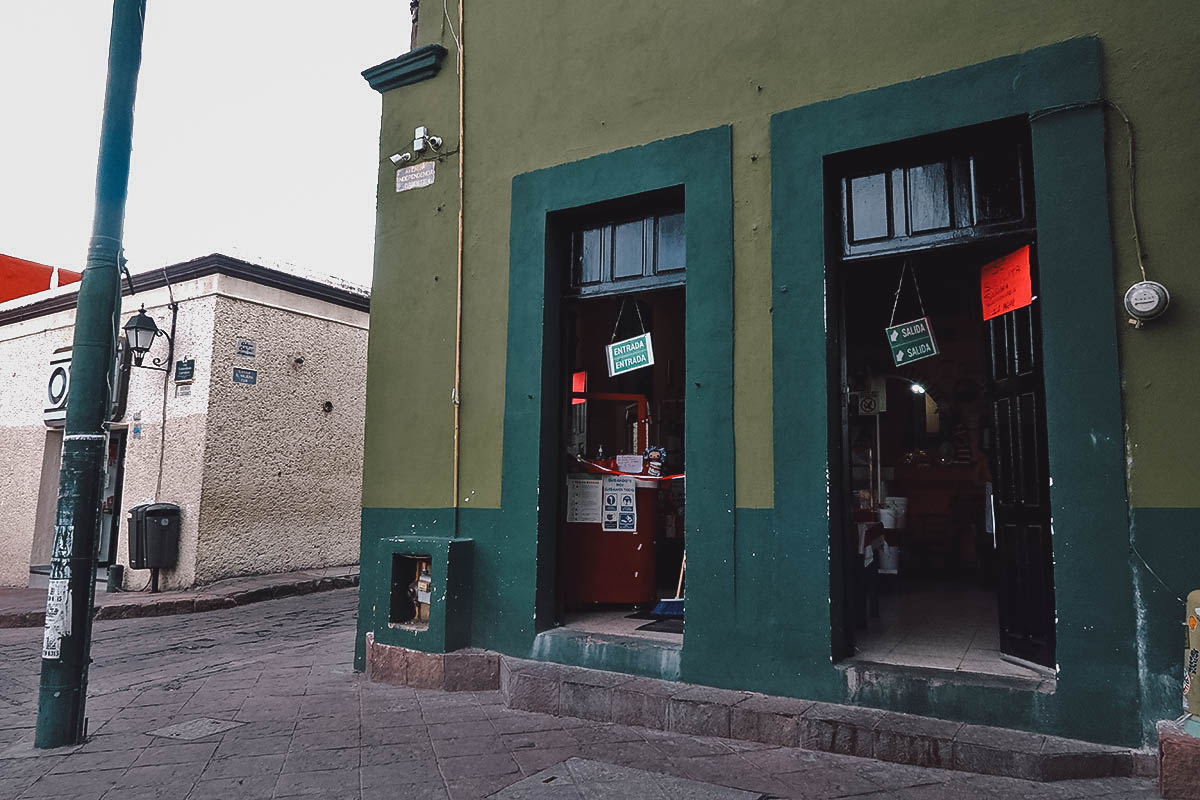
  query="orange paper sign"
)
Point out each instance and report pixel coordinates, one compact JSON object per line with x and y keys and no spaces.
{"x":1005,"y":285}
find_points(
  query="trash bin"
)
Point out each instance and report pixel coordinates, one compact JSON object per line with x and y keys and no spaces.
{"x":153,"y":536}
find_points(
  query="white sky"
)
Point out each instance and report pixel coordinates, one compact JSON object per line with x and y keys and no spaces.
{"x":254,"y":134}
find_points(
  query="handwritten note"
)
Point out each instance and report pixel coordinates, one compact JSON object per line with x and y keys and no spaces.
{"x":1005,"y":285}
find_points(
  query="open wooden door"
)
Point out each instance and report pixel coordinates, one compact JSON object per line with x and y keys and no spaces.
{"x":1021,"y":487}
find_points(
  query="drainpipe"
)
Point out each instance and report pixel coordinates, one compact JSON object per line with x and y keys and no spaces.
{"x":70,"y":599}
{"x":459,"y":297}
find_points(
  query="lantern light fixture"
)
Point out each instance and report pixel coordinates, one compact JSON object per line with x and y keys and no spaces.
{"x":140,"y":332}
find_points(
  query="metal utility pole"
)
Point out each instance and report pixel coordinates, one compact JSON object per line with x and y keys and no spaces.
{"x":70,"y":600}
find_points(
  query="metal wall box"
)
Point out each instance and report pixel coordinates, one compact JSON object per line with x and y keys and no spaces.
{"x":154,"y":536}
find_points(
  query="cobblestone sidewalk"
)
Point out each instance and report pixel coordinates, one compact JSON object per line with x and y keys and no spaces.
{"x":292,"y":719}
{"x":26,"y":608}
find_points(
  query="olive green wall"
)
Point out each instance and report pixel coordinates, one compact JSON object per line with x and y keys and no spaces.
{"x":411,"y":358}
{"x":545,"y":89}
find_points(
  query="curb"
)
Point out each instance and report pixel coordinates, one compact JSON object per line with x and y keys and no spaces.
{"x":195,"y":604}
{"x":612,"y":697}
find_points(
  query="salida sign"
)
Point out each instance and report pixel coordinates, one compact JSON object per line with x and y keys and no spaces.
{"x":911,"y":341}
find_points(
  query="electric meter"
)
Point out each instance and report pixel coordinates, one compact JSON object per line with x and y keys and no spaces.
{"x":1146,"y":300}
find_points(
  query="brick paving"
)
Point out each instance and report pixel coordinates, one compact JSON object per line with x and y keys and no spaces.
{"x":310,"y":726}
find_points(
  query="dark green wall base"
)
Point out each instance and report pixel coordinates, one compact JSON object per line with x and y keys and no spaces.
{"x":374,"y":588}
{"x":449,"y":626}
{"x":1168,"y":540}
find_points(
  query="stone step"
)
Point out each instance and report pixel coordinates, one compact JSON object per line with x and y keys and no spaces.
{"x":601,"y":696}
{"x":828,"y":727}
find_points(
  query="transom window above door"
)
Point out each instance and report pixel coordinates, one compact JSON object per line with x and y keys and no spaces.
{"x":958,"y":187}
{"x":634,"y":246}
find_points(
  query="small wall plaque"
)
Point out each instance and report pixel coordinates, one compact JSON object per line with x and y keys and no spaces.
{"x":246,"y":376}
{"x":415,"y":177}
{"x":247,"y":348}
{"x":185,"y":371}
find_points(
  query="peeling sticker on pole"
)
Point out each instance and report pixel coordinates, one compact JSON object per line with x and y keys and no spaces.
{"x":60,"y":556}
{"x":58,"y":618}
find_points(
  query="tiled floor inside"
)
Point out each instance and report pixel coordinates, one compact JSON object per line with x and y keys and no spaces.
{"x":616,"y":622}
{"x":944,"y":627}
{"x":940,"y":627}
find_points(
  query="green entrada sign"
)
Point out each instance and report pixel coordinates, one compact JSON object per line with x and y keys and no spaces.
{"x":911,"y":341}
{"x":628,"y":355}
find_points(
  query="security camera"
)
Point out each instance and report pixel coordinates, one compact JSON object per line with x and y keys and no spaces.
{"x":435,"y":142}
{"x":400,"y":158}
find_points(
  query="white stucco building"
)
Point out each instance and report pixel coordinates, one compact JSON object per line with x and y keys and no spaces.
{"x":263,"y":441}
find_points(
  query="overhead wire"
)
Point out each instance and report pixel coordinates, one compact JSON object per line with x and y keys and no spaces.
{"x":1129,"y":163}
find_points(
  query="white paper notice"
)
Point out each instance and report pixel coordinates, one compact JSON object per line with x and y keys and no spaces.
{"x":583,"y":498}
{"x":620,"y":506}
{"x":632,"y":464}
{"x":58,"y":618}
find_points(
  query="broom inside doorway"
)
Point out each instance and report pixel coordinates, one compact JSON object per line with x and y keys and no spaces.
{"x":673,"y":606}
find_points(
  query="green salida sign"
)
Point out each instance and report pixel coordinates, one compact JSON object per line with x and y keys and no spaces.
{"x":911,"y":341}
{"x":630,"y":354}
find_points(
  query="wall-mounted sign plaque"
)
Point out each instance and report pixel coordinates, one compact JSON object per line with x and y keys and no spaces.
{"x":246,"y":376}
{"x":415,"y":177}
{"x":185,"y":371}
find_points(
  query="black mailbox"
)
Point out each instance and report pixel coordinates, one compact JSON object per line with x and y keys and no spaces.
{"x":153,"y":536}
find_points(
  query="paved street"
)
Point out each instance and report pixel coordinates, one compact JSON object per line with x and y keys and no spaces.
{"x":290,"y":718}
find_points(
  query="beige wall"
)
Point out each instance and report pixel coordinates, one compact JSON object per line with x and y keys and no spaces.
{"x":25,"y":351}
{"x":220,"y":438}
{"x":282,"y":477}
{"x":183,"y":447}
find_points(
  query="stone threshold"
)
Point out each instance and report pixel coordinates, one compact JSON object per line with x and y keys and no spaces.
{"x":612,"y":697}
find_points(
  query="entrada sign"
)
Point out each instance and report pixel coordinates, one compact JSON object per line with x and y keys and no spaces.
{"x":630,"y":354}
{"x":911,"y":341}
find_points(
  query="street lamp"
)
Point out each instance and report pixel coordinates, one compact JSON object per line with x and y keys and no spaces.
{"x":140,"y":331}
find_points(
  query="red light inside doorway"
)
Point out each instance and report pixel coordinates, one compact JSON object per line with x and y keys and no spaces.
{"x":578,"y":386}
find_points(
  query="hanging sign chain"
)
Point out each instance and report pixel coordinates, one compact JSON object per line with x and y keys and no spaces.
{"x":900,"y":287}
{"x":617,"y":324}
{"x":620,"y":311}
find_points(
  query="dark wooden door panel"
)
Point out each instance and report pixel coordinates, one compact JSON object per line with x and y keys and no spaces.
{"x":1021,"y":488}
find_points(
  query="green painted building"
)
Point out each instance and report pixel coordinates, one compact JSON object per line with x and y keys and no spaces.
{"x":1000,"y":533}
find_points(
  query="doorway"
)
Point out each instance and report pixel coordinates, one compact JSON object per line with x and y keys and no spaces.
{"x":47,"y":507}
{"x":621,"y":409}
{"x":944,"y":528}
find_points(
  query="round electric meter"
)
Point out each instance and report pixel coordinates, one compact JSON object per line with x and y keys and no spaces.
{"x":1147,"y":300}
